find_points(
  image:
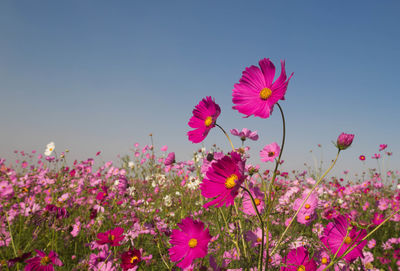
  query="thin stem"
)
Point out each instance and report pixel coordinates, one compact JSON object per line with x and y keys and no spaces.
{"x":12,"y":240}
{"x":304,"y":201}
{"x":227,"y":136}
{"x":267,"y":213}
{"x":260,"y":256}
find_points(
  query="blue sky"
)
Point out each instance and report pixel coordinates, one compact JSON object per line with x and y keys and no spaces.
{"x":101,"y":75}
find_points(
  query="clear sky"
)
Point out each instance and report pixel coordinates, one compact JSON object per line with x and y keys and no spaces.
{"x":102,"y":75}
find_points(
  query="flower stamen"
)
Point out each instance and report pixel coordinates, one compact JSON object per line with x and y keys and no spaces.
{"x":265,"y":93}
{"x":193,"y":243}
{"x":208,"y":121}
{"x":230,"y":182}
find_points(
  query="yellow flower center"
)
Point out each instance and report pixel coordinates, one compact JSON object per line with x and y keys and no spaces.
{"x":111,"y":237}
{"x":50,"y":149}
{"x":271,"y":153}
{"x":259,"y":240}
{"x":307,"y":217}
{"x":347,"y":240}
{"x":324,"y":260}
{"x":257,"y":201}
{"x":134,"y":258}
{"x":307,"y":206}
{"x":231,"y":181}
{"x":45,"y":260}
{"x":208,"y":121}
{"x":193,"y":243}
{"x":301,"y":268}
{"x":265,"y":93}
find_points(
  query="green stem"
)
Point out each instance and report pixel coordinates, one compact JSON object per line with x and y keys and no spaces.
{"x":227,"y":136}
{"x":304,"y":201}
{"x":268,"y":211}
{"x":261,"y":252}
{"x":12,"y":240}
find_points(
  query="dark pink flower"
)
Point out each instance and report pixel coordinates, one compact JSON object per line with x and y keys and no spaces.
{"x":130,"y":259}
{"x":112,"y":237}
{"x":256,"y":93}
{"x":203,"y":120}
{"x":344,"y":141}
{"x":376,"y":156}
{"x":298,"y":259}
{"x":189,"y":243}
{"x":378,"y":218}
{"x":43,"y":262}
{"x":223,"y":180}
{"x":382,"y":147}
{"x":341,"y":234}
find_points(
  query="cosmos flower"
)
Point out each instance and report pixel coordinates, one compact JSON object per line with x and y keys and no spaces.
{"x":258,"y":196}
{"x":341,"y":234}
{"x":362,"y":157}
{"x":130,"y":259}
{"x":223,"y":180}
{"x":189,"y":243}
{"x":170,"y":159}
{"x":256,"y":93}
{"x":112,"y":237}
{"x":382,"y":147}
{"x":376,"y":156}
{"x":43,"y":262}
{"x":203,"y":120}
{"x":298,"y":259}
{"x":244,"y":134}
{"x":49,"y":149}
{"x":344,"y":141}
{"x":270,"y":152}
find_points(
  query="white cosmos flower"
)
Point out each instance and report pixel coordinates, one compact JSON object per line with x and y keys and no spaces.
{"x":49,"y":148}
{"x":131,"y":164}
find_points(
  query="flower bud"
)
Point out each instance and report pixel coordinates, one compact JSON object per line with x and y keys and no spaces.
{"x":344,"y":141}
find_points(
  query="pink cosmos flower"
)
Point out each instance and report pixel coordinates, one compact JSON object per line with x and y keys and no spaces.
{"x":344,"y":141}
{"x":258,"y":196}
{"x":164,"y":148}
{"x":340,"y":234}
{"x":298,"y":259}
{"x":362,"y":157}
{"x":378,"y":218}
{"x":256,"y":93}
{"x":43,"y":262}
{"x":376,"y":156}
{"x":189,"y":243}
{"x":223,"y":180}
{"x":244,"y":134}
{"x":203,"y":120}
{"x":270,"y":152}
{"x":382,"y":147}
{"x":112,"y":237}
{"x":170,"y":159}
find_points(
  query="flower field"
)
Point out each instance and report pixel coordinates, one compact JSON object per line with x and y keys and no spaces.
{"x":216,"y":211}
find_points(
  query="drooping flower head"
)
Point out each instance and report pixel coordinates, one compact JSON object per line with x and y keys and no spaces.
{"x":130,"y":259}
{"x":344,"y":141}
{"x":223,"y":180}
{"x":270,"y":152}
{"x":189,"y":243}
{"x":341,"y":234}
{"x":203,"y":120}
{"x":43,"y":262}
{"x":112,"y":237}
{"x":256,"y":93}
{"x":298,"y":259}
{"x":244,"y":134}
